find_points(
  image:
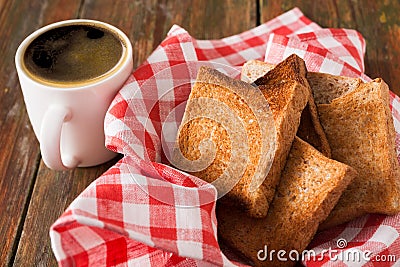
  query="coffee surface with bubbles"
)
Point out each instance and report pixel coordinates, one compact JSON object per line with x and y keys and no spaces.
{"x":74,"y":53}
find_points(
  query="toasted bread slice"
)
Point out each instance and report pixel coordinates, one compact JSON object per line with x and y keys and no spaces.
{"x":310,"y":186}
{"x":310,"y":128}
{"x":232,"y":115}
{"x":286,"y":101}
{"x":376,"y":189}
{"x":326,"y":87}
{"x":285,"y":90}
{"x":358,"y":123}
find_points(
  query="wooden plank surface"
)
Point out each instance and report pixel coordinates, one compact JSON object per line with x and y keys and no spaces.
{"x":377,"y":21}
{"x":52,"y":193}
{"x":19,"y":151}
{"x":146,"y":23}
{"x":31,"y":195}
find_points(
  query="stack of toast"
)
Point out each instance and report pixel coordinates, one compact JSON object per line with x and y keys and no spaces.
{"x":333,"y":159}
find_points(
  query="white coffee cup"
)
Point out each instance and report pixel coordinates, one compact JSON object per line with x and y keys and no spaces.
{"x":68,"y":117}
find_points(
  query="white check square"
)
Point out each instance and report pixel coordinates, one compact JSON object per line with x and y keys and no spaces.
{"x":137,"y":214}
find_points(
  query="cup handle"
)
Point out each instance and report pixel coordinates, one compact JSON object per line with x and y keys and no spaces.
{"x":50,"y":137}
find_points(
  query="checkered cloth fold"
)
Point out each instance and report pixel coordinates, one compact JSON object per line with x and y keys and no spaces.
{"x":143,"y":212}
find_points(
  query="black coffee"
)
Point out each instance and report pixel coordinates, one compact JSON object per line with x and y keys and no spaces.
{"x":73,"y":53}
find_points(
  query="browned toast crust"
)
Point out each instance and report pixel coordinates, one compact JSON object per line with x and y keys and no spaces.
{"x":310,"y":186}
{"x":286,"y":100}
{"x":310,"y":128}
{"x":360,"y":129}
{"x":243,"y":165}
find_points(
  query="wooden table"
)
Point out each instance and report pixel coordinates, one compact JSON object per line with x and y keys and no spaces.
{"x":32,"y":197}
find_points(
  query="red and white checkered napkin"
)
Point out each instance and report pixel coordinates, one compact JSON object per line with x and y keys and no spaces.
{"x":142,"y":212}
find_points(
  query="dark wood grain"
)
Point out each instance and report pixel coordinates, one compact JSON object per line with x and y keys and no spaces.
{"x":146,"y":23}
{"x":377,"y":21}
